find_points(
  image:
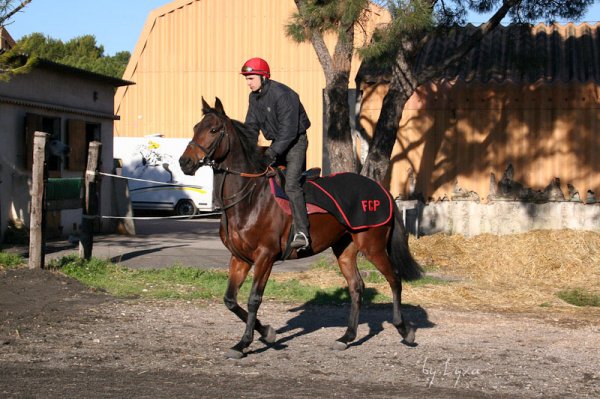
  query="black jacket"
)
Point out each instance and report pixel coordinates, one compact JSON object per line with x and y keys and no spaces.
{"x":276,"y":110}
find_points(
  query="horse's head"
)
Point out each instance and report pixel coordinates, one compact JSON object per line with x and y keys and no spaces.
{"x":209,"y":144}
{"x":57,"y":148}
{"x":55,"y":152}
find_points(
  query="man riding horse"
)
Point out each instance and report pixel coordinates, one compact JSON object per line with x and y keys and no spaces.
{"x":276,"y":110}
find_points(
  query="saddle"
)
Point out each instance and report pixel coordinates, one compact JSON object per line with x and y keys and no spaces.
{"x":357,"y":201}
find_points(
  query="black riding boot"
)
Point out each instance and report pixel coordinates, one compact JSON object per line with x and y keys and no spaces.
{"x":295,"y":159}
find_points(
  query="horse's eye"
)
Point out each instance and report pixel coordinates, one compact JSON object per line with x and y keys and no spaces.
{"x":213,"y":130}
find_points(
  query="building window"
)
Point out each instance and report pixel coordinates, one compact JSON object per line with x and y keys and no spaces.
{"x":47,"y":124}
{"x":79,"y":135}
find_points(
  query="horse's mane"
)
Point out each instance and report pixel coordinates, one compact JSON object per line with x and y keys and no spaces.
{"x":248,"y":139}
{"x":249,"y":142}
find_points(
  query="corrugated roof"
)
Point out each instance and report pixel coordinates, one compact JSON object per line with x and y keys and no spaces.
{"x":115,"y":82}
{"x":516,"y":53}
{"x":55,"y":66}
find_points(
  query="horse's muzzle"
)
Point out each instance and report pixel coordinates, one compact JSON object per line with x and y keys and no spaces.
{"x":188,"y":165}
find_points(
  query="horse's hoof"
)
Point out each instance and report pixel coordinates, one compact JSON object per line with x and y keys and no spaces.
{"x":409,"y":336}
{"x":339,"y":346}
{"x":234,"y":354}
{"x":270,"y":336}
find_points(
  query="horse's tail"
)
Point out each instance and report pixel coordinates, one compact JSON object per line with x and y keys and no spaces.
{"x":402,"y":261}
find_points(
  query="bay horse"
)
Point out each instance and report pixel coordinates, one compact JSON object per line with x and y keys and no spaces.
{"x":255,"y":229}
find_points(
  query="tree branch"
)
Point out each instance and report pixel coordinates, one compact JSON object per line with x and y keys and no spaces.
{"x":13,"y":12}
{"x":431,"y":71}
{"x":322,"y":53}
{"x":320,"y":48}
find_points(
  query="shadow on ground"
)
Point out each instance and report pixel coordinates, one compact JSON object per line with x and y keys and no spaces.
{"x":314,"y":316}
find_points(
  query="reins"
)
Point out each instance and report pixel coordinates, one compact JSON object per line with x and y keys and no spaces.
{"x":245,"y":174}
{"x":213,"y":147}
{"x":245,"y":192}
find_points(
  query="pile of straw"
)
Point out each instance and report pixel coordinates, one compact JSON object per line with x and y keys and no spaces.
{"x":515,"y":272}
{"x":518,"y":273}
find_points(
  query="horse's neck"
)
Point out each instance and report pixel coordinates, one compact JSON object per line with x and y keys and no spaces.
{"x":243,"y":198}
{"x":232,"y":186}
{"x":236,"y":161}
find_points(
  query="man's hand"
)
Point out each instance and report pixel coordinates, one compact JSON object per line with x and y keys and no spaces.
{"x":270,"y":156}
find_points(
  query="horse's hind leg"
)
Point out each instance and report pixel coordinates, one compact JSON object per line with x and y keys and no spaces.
{"x":346,"y":256}
{"x":377,"y":255}
{"x":238,"y":270}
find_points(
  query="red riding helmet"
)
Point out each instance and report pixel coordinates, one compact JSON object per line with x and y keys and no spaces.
{"x":256,"y":66}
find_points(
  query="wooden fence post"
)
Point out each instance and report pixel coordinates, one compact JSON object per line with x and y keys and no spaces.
{"x":36,"y":233}
{"x":90,"y":206}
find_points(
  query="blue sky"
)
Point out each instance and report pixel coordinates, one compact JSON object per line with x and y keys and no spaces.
{"x":116,"y":24}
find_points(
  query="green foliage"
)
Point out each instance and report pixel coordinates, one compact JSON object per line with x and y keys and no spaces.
{"x":325,"y":16}
{"x":81,"y":52}
{"x":454,"y":12}
{"x":579,"y":297}
{"x":409,"y":23}
{"x":412,"y":20}
{"x":13,"y":63}
{"x":10,"y":260}
{"x":549,"y":10}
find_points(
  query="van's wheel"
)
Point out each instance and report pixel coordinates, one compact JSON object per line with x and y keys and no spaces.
{"x":185,"y":207}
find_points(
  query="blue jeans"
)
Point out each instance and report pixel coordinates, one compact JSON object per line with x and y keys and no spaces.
{"x":295,"y":160}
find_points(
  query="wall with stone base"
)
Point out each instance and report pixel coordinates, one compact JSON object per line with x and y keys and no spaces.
{"x":470,"y":218}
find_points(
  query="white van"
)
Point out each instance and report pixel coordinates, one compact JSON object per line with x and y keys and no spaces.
{"x":155,"y":160}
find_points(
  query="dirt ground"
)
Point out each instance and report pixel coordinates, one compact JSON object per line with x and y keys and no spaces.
{"x":61,"y":339}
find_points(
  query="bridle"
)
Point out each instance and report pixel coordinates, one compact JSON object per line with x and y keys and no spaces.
{"x":209,"y":152}
{"x":208,"y":160}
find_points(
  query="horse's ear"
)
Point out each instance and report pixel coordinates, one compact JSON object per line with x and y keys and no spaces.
{"x":205,"y":107}
{"x":219,"y":106}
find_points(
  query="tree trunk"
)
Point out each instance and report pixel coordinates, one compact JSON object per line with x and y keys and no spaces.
{"x":336,"y":69}
{"x":402,"y":85}
{"x":342,"y":156}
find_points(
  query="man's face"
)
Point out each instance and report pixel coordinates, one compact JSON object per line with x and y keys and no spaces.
{"x":253,"y":82}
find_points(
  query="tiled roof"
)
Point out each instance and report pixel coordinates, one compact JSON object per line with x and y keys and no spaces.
{"x":518,"y":53}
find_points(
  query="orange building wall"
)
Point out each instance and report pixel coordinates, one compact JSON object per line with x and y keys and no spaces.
{"x":458,"y":132}
{"x":194,"y":48}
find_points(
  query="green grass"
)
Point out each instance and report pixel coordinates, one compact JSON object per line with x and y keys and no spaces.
{"x":188,"y":283}
{"x":579,"y":297}
{"x":10,"y":260}
{"x":179,"y":282}
{"x":371,"y":275}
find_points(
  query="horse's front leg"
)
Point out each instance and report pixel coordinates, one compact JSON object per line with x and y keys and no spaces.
{"x":238,"y":270}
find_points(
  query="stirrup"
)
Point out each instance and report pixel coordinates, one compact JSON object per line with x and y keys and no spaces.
{"x":300,"y":241}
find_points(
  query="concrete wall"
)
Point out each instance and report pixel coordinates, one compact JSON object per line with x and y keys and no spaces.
{"x":52,"y":94}
{"x":470,"y":218}
{"x":64,"y":89}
